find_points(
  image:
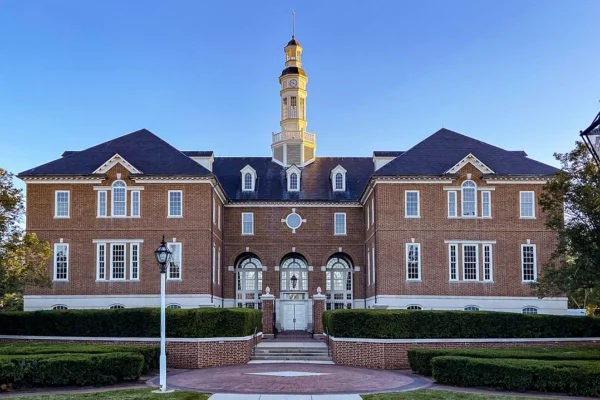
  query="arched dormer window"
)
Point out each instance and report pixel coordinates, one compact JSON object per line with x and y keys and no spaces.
{"x":338,"y":179}
{"x":469,"y":199}
{"x":248,"y":178}
{"x":293,"y":179}
{"x":119,"y":199}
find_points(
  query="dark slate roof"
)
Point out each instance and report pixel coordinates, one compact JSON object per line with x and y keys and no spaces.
{"x":198,"y":153}
{"x":519,"y":153}
{"x":315,"y":183}
{"x":387,"y":153}
{"x":441,"y":151}
{"x":142,"y":149}
{"x":293,"y":70}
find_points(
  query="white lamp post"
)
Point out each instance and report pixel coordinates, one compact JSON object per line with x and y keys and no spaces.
{"x":163,"y":256}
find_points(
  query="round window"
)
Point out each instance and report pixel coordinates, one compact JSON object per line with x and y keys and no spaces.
{"x":293,"y":221}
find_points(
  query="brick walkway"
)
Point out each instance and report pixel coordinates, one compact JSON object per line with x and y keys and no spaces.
{"x":292,"y":379}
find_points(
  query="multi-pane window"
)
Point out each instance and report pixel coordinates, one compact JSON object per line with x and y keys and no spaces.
{"x":487,"y":262}
{"x":293,"y":181}
{"x":101,"y":261}
{"x":247,"y":181}
{"x":214,"y":211}
{"x":293,"y":107}
{"x":214,"y":267}
{"x":368,"y":218}
{"x":470,"y":262}
{"x":174,"y":267}
{"x":175,"y":306}
{"x":60,"y":307}
{"x":117,"y":307}
{"x":486,"y":208}
{"x":102,"y":196}
{"x":249,"y":283}
{"x":528,"y":263}
{"x":452,"y":204}
{"x":61,"y":262}
{"x":414,"y":307}
{"x":453,"y":261}
{"x":373,"y":259}
{"x":469,"y":199}
{"x":219,"y":216}
{"x":117,"y":262}
{"x":530,"y":310}
{"x":340,"y":223}
{"x":339,"y":181}
{"x":219,"y":267}
{"x":175,"y":208}
{"x":372,"y":210}
{"x":338,"y":286}
{"x":368,"y":268}
{"x":247,"y":223}
{"x":135,"y":203}
{"x":413,"y":261}
{"x":61,"y":208}
{"x":119,"y":199}
{"x":471,"y":308}
{"x":411,"y":203}
{"x":134,"y":264}
{"x":527,"y":204}
{"x":294,"y":274}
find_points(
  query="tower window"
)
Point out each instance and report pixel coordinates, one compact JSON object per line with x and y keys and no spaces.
{"x":293,"y":107}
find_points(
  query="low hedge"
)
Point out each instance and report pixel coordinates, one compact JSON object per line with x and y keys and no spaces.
{"x":133,"y":322}
{"x":573,"y":377}
{"x":149,"y":353}
{"x":408,"y":324}
{"x":69,"y":369}
{"x":420,"y":359}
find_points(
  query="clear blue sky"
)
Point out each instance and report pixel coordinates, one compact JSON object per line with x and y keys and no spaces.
{"x":523,"y":75}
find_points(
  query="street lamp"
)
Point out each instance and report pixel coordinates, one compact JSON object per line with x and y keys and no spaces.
{"x":591,"y":137}
{"x":163,"y":257}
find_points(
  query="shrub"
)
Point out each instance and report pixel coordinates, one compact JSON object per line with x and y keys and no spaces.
{"x":150,"y":353}
{"x":420,"y":359}
{"x":69,"y":369}
{"x":407,"y":324}
{"x":572,"y":377}
{"x":132,"y":322}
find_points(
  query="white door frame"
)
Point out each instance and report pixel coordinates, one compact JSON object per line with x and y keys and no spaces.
{"x":299,"y":305}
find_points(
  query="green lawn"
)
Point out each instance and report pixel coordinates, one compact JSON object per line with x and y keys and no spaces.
{"x":436,"y":395}
{"x":136,"y":394}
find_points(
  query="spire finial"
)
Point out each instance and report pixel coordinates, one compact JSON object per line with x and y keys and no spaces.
{"x":293,"y":23}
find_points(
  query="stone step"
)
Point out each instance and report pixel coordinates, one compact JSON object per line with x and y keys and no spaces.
{"x":283,"y":357}
{"x":298,"y":351}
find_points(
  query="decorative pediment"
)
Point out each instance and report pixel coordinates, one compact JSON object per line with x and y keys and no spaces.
{"x":474,"y":161}
{"x":114,"y":160}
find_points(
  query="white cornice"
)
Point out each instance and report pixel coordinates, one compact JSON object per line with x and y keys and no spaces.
{"x":517,"y":181}
{"x":296,"y":205}
{"x":170,"y":179}
{"x":58,"y":180}
{"x":470,"y":158}
{"x":114,"y":160}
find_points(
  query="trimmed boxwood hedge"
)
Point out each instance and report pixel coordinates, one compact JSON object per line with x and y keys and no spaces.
{"x":408,"y":324}
{"x":420,"y":359}
{"x":150,"y":353}
{"x":69,"y":369}
{"x":133,"y":322}
{"x":572,"y":377}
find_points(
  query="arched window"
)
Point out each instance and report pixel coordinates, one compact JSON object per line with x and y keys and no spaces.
{"x":294,"y":274}
{"x":119,"y":199}
{"x":471,"y":308}
{"x":293,"y":181}
{"x":173,"y":306}
{"x":338,"y":287}
{"x":414,"y":307}
{"x":530,"y":310}
{"x":248,"y":181}
{"x":117,"y":306}
{"x":469,"y":199}
{"x":59,"y":307}
{"x":339,"y":181}
{"x":249,"y":282}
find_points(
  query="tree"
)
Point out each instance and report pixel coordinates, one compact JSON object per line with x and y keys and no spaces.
{"x":22,"y":255}
{"x":571,"y":201}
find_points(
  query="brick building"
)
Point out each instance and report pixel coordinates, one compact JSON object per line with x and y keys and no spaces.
{"x":451,"y":223}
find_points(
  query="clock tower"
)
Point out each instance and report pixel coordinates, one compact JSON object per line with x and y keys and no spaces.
{"x":293,"y":145}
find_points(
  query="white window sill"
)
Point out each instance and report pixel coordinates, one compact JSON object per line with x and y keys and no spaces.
{"x":527,"y":282}
{"x":60,"y":280}
{"x":173,"y":279}
{"x":247,"y":234}
{"x":527,"y":218}
{"x":472,"y":280}
{"x":117,"y":216}
{"x":413,"y":280}
{"x":412,"y":216}
{"x":175,"y":216}
{"x":339,"y":234}
{"x":59,"y":217}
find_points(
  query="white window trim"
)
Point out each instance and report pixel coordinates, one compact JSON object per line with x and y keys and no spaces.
{"x":169,"y":204}
{"x":368,"y":217}
{"x":339,"y":169}
{"x":462,"y":200}
{"x":252,"y":171}
{"x":418,"y":245}
{"x":219,"y":266}
{"x":55,"y":262}
{"x":214,"y":270}
{"x":252,"y":217}
{"x":293,"y":170}
{"x":98,"y":209}
{"x":534,"y":263}
{"x":98,"y":245}
{"x":368,"y":268}
{"x":457,"y":262}
{"x":483,"y":246}
{"x":131,"y":278}
{"x":489,"y":203}
{"x":373,"y":210}
{"x":335,"y":224}
{"x":180,"y":246}
{"x":537,"y":310}
{"x":139,"y":194}
{"x":476,"y":262}
{"x":219,"y":216}
{"x":532,"y":204}
{"x":112,"y":201}
{"x":56,"y":192}
{"x":406,"y":192}
{"x":373,"y":264}
{"x":455,"y":192}
{"x":112,"y":275}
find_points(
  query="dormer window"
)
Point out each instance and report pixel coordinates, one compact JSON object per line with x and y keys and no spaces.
{"x":338,"y":179}
{"x":293,"y":179}
{"x":248,"y":178}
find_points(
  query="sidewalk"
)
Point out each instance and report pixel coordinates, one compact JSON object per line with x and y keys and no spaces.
{"x":219,"y":396}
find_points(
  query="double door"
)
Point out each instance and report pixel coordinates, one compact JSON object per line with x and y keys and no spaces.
{"x":294,"y":316}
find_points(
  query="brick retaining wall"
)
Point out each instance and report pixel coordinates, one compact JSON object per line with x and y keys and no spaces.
{"x":392,"y":353}
{"x":181,"y":353}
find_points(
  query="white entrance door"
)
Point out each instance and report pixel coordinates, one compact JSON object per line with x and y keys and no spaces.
{"x":294,"y":317}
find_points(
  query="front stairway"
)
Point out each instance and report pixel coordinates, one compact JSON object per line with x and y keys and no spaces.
{"x":291,"y":352}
